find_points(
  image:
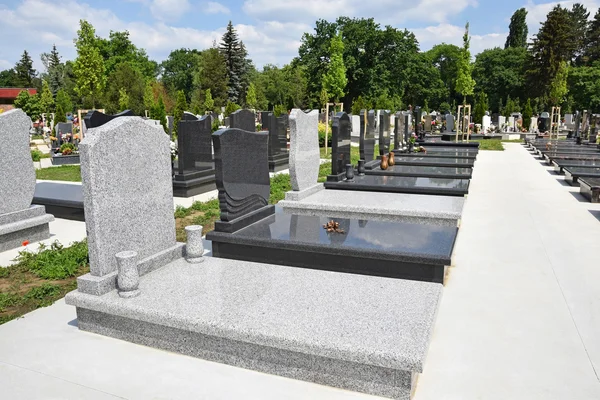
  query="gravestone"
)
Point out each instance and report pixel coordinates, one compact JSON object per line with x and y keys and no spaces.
{"x":501,"y":123}
{"x":486,"y":122}
{"x":511,"y":124}
{"x":170,"y":122}
{"x":427,"y":124}
{"x":94,"y":119}
{"x":243,"y":119}
{"x":417,"y":115}
{"x":127,"y":198}
{"x":278,"y":153}
{"x":400,"y":130}
{"x":495,"y":119}
{"x":367,"y":135}
{"x":544,"y":122}
{"x":577,"y":123}
{"x":19,"y":220}
{"x":533,"y":125}
{"x":242,"y":181}
{"x":449,"y":122}
{"x":304,"y":154}
{"x":340,"y":146}
{"x":384,"y":132}
{"x":356,"y":126}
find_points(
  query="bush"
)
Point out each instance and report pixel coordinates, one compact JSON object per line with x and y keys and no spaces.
{"x":36,"y":155}
{"x":230,"y":108}
{"x":279,"y":109}
{"x":67,"y":148}
{"x":322,"y":135}
{"x":55,"y":261}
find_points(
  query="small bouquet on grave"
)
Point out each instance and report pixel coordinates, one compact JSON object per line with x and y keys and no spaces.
{"x":174,"y":150}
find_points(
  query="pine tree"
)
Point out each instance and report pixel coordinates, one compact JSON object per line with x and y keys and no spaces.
{"x":55,"y":71}
{"x":64,"y":101}
{"x":592,"y":48}
{"x":59,"y":115}
{"x":465,"y":84}
{"x":335,"y":79}
{"x":579,"y":17}
{"x":235,"y":58}
{"x":527,"y":114}
{"x":251,"y":100}
{"x":481,"y":106}
{"x":159,"y":112}
{"x":558,"y":87}
{"x":180,"y":107}
{"x":148,"y":97}
{"x":123,"y":99}
{"x":209,"y":103}
{"x":89,"y":65}
{"x":25,"y":71}
{"x":517,"y":36}
{"x":46,"y":99}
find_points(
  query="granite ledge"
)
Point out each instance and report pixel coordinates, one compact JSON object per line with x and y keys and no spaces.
{"x":25,"y":224}
{"x":223,"y":298}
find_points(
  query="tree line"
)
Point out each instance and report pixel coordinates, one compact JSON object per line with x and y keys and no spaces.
{"x":351,"y":60}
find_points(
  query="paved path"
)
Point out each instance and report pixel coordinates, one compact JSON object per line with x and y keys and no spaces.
{"x":520,"y":316}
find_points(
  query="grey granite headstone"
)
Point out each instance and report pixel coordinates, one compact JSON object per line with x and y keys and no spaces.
{"x":94,"y":119}
{"x":194,"y":143}
{"x":277,"y":128}
{"x":355,"y":125}
{"x":63,"y":127}
{"x":243,"y":119}
{"x":127,"y":196}
{"x":19,"y":221}
{"x":367,"y":135}
{"x":304,"y":154}
{"x":400,"y":130}
{"x":384,"y":132}
{"x":427,"y":124}
{"x":170,"y":122}
{"x":417,"y":115}
{"x":340,"y":145}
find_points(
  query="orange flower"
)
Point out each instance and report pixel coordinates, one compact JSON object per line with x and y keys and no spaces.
{"x":25,"y":243}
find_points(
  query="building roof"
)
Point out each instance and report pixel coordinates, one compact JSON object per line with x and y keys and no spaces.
{"x":12,"y":93}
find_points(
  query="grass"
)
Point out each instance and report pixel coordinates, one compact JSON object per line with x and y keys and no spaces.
{"x":71,"y":173}
{"x":490,"y":144}
{"x":37,"y":137}
{"x":39,"y":279}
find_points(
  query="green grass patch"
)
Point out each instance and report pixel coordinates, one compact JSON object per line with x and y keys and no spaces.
{"x":71,"y":173}
{"x":39,"y":279}
{"x":37,"y":137}
{"x":490,"y":144}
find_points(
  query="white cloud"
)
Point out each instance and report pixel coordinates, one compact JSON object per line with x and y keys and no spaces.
{"x":536,"y":13}
{"x":168,"y":10}
{"x":453,"y":34}
{"x":215,"y":8}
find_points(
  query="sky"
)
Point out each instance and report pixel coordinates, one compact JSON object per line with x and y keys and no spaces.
{"x":271,"y":29}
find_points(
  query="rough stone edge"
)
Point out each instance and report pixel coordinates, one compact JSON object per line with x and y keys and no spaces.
{"x":25,"y":224}
{"x":302,"y":194}
{"x":31,"y":212}
{"x":99,"y":285}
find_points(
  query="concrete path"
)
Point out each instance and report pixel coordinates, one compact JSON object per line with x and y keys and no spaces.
{"x":520,"y":316}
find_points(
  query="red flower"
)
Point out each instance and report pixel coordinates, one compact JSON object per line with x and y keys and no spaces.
{"x":25,"y":242}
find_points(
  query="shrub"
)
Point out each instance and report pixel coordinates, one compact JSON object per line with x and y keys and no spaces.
{"x":67,"y":148}
{"x":322,"y":135}
{"x":279,"y":109}
{"x":55,"y":261}
{"x":36,"y":155}
{"x":230,"y":108}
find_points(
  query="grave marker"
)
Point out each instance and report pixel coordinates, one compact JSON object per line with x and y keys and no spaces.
{"x":384,"y":132}
{"x":367,"y":135}
{"x":243,"y":119}
{"x":340,"y":146}
{"x":304,"y":154}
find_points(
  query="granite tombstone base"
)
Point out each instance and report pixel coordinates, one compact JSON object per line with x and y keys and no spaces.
{"x":63,"y":200}
{"x":71,"y":159}
{"x":590,"y":189}
{"x":28,"y":225}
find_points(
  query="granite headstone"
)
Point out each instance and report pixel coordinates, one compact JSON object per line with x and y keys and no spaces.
{"x":449,"y":122}
{"x":94,"y":119}
{"x":243,"y":119}
{"x":384,"y":132}
{"x":340,"y":145}
{"x":367,"y":135}
{"x":194,"y":143}
{"x":304,"y":152}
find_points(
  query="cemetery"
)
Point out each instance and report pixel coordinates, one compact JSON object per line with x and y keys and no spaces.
{"x":362,"y":223}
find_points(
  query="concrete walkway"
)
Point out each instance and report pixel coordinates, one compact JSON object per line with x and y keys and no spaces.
{"x":520,"y":317}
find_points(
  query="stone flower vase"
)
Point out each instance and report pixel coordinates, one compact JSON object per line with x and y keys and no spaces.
{"x":128,"y":278}
{"x":384,"y":163}
{"x":361,"y":167}
{"x":349,"y":172}
{"x":391,"y":161}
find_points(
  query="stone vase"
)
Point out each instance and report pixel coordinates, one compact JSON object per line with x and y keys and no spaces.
{"x":349,"y":172}
{"x":128,"y":277}
{"x":384,"y":163}
{"x":411,"y":147}
{"x":361,"y":167}
{"x":391,"y":161}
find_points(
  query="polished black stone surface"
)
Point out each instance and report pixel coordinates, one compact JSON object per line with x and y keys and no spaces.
{"x":590,"y":189}
{"x":451,"y":150}
{"x":449,"y":144}
{"x":242,"y":171}
{"x":384,"y":132}
{"x":392,"y":249}
{"x":62,"y":200}
{"x":340,"y":143}
{"x":243,"y":119}
{"x":94,"y":119}
{"x":438,"y":161}
{"x":402,"y":184}
{"x":441,"y":154}
{"x":573,"y":174}
{"x":574,"y":157}
{"x":194,"y":144}
{"x":424,"y":171}
{"x":367,"y":135}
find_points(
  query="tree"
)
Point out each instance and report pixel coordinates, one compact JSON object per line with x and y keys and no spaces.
{"x":46,"y":99}
{"x":59,"y":115}
{"x":251,"y":100}
{"x":209,"y":103}
{"x":592,"y":48}
{"x":178,"y":70}
{"x":118,"y":49}
{"x":558,"y":87}
{"x":464,"y":82}
{"x":54,"y":70}
{"x":130,"y":80}
{"x":230,"y":108}
{"x":211,"y":74}
{"x":123,"y":99}
{"x":517,"y":35}
{"x":235,"y":59}
{"x":63,"y":101}
{"x":335,"y":79}
{"x":424,"y":83}
{"x":89,"y":65}
{"x":446,"y":58}
{"x":481,"y":106}
{"x":25,"y":71}
{"x":527,"y":114}
{"x":180,"y":107}
{"x":8,"y":78}
{"x":579,"y":24}
{"x":159,"y":113}
{"x":584,"y":84}
{"x":148,"y":97}
{"x":30,"y":104}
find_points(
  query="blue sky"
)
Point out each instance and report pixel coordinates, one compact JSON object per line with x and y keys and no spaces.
{"x":271,"y":29}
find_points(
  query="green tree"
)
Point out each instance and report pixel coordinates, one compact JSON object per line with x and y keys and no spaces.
{"x":464,"y":82}
{"x":148,"y":97}
{"x":235,"y":54}
{"x":123,"y":99}
{"x":158,"y":112}
{"x":180,"y":107}
{"x":592,"y":48}
{"x":424,"y":83}
{"x":118,"y":49}
{"x":46,"y":99}
{"x":125,"y":77}
{"x":209,"y":103}
{"x":359,"y":104}
{"x":517,"y":35}
{"x":335,"y":79}
{"x":178,"y":70}
{"x":89,"y":65}
{"x":446,"y":58}
{"x":59,"y":115}
{"x":211,"y":74}
{"x":481,"y":106}
{"x":579,"y":24}
{"x":30,"y":104}
{"x":8,"y":78}
{"x":251,"y":100}
{"x":558,"y":87}
{"x":54,"y":70}
{"x":527,"y":114}
{"x":230,"y":108}
{"x":64,"y":101}
{"x":25,"y":71}
{"x":584,"y":85}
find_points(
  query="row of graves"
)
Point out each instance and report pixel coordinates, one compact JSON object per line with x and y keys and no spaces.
{"x":576,"y":158}
{"x":338,"y":284}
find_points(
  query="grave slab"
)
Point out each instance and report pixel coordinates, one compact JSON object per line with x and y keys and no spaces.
{"x":559,"y":164}
{"x":572,"y":174}
{"x":421,"y":171}
{"x":404,"y":184}
{"x":429,"y":161}
{"x":590,"y":189}
{"x":63,"y":200}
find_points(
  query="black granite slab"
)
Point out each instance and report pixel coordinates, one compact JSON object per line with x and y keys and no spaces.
{"x":573,"y":157}
{"x":384,"y":132}
{"x":389,"y":249}
{"x":441,"y":154}
{"x":401,"y":184}
{"x":243,"y":119}
{"x":590,"y":189}
{"x":559,"y":165}
{"x":367,"y":135}
{"x":450,"y":137}
{"x":62,"y":200}
{"x":428,"y":144}
{"x":430,"y":161}
{"x":429,"y":172}
{"x":278,"y":155}
{"x":572,"y":174}
{"x":59,"y":159}
{"x":340,"y":145}
{"x":94,"y":119}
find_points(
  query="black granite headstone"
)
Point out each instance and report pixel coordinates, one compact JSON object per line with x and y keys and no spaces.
{"x":384,"y":132}
{"x":242,"y":173}
{"x":367,"y":135}
{"x":544,"y":122}
{"x":94,"y":119}
{"x":243,"y":119}
{"x":417,"y":121}
{"x":577,"y":123}
{"x":188,"y":116}
{"x":194,"y":143}
{"x":340,"y":145}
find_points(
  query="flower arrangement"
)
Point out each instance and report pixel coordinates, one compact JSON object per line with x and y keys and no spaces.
{"x":413,"y":139}
{"x":67,"y":149}
{"x":174,"y":150}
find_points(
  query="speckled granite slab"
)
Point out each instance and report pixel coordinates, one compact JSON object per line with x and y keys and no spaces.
{"x":360,"y":333}
{"x":430,"y":171}
{"x":429,"y":161}
{"x":404,"y":184}
{"x":443,"y":210}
